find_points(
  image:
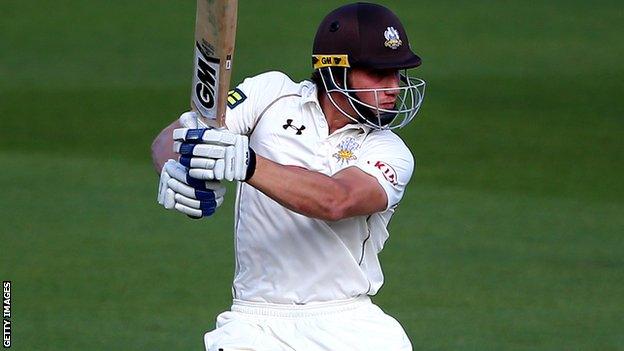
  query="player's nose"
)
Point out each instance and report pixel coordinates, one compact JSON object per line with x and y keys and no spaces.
{"x":392,"y":81}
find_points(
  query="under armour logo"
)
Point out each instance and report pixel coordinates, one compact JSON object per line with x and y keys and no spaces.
{"x":289,"y":125}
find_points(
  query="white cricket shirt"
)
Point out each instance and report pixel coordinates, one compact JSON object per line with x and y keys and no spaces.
{"x":282,"y":256}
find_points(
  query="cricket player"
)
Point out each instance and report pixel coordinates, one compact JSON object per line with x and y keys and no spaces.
{"x":320,"y":175}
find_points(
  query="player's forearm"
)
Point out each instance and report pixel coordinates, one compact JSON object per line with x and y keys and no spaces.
{"x":162,"y":147}
{"x":306,"y":192}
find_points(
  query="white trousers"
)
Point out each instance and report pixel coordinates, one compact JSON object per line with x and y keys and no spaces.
{"x":355,"y":324}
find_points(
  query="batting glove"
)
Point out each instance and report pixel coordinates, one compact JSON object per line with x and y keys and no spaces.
{"x":191,"y":119}
{"x":195,"y":198}
{"x":214,"y":154}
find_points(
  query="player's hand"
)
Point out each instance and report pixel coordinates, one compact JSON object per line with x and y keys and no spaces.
{"x":190,"y":119}
{"x":214,"y":154}
{"x":195,"y":198}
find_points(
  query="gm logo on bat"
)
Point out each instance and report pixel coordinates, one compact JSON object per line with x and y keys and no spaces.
{"x":205,"y":83}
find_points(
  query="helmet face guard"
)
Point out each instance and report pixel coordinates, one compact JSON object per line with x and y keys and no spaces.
{"x":411,"y":92}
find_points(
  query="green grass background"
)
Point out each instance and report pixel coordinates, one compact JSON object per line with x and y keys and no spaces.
{"x":510,"y":236}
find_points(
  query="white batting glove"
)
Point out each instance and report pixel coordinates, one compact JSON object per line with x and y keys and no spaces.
{"x":213,"y":154}
{"x":195,"y":198}
{"x":191,"y":119}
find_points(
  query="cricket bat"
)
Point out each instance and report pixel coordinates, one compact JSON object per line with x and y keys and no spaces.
{"x":215,"y":33}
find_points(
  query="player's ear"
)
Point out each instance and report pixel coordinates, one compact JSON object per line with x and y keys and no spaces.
{"x":334,"y":76}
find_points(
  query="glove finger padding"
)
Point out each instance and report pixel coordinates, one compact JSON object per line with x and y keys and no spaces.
{"x":211,"y":168}
{"x":191,"y":212}
{"x":230,"y":155}
{"x":182,"y":174}
{"x":242,"y":157}
{"x":193,"y":193}
{"x":162,"y":185}
{"x":205,"y":207}
{"x":181,"y":183}
{"x":198,"y":162}
{"x":212,"y":153}
{"x":191,"y":119}
{"x":205,"y":136}
{"x":192,"y":197}
{"x":232,"y":166}
{"x":201,"y":150}
{"x":169,"y":199}
{"x":204,"y":174}
{"x":197,"y":204}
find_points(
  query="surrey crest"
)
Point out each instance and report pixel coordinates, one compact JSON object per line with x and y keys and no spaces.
{"x":392,"y":38}
{"x":346,"y":151}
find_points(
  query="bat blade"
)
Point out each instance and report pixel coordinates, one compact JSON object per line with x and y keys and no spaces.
{"x":215,"y":33}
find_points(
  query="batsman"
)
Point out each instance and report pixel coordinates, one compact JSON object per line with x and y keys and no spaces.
{"x":320,"y":173}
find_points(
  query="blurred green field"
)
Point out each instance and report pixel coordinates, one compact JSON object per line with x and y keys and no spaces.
{"x":510,"y":236}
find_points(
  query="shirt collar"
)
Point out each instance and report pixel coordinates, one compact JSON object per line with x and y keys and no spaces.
{"x":354,"y":126}
{"x":309,"y":94}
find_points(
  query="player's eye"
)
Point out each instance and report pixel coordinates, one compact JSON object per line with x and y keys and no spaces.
{"x":387,"y":74}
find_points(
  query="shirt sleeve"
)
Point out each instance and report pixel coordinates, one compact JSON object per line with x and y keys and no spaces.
{"x":247,"y":102}
{"x":385,"y":157}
